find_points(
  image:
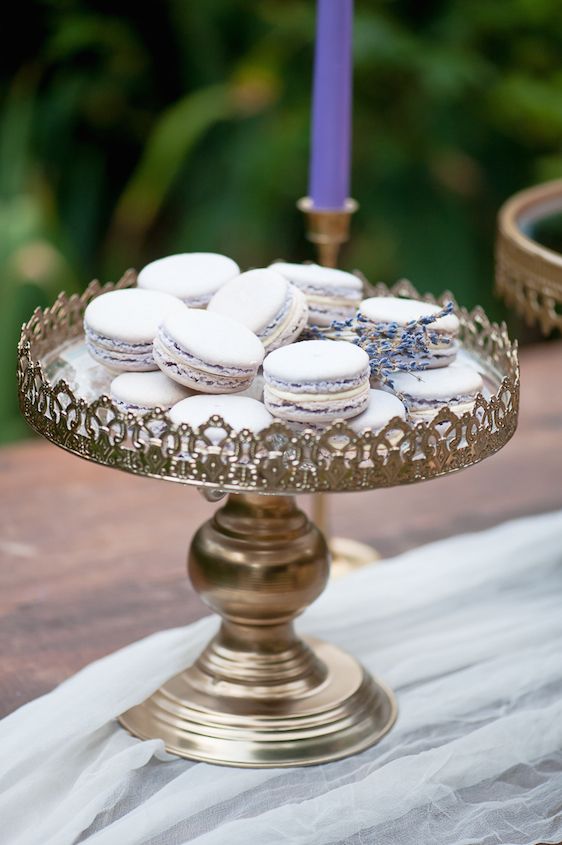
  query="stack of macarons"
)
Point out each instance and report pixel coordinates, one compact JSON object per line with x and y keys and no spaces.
{"x":437,"y":380}
{"x":198,"y":338}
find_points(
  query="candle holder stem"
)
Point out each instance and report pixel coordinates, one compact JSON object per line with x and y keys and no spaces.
{"x":328,"y":229}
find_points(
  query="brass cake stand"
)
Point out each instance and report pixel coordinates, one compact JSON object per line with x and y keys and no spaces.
{"x":528,"y":273}
{"x":259,"y":695}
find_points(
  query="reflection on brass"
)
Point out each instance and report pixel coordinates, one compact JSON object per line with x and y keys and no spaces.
{"x":528,"y":274}
{"x":347,"y":554}
{"x":277,"y":460}
{"x":259,"y":695}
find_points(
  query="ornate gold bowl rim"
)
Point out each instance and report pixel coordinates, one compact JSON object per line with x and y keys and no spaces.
{"x":277,"y":460}
{"x":528,"y":274}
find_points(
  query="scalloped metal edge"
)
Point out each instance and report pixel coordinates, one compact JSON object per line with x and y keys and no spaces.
{"x":277,"y":460}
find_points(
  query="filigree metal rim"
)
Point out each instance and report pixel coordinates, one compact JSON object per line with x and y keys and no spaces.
{"x":528,"y":274}
{"x":277,"y":460}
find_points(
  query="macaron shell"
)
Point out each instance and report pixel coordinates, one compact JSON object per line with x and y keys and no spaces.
{"x":381,"y":409}
{"x":192,"y":276}
{"x":237,"y":411}
{"x":214,"y":339}
{"x":147,"y":390}
{"x":318,"y":408}
{"x":392,"y":309}
{"x":322,"y":311}
{"x":320,"y":278}
{"x":197,"y":378}
{"x":120,"y":362}
{"x":317,"y":362}
{"x":130,"y":315}
{"x":254,"y":298}
{"x":441,"y":384}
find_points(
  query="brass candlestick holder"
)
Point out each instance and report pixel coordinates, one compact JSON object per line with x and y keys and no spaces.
{"x":529,"y":274}
{"x":259,"y":695}
{"x":328,"y":230}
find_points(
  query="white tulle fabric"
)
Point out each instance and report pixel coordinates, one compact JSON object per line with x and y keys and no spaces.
{"x":468,"y":631}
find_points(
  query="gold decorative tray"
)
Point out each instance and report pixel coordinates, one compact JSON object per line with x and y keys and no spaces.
{"x":64,"y":397}
{"x":529,"y":274}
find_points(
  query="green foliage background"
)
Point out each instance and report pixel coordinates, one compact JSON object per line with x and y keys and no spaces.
{"x":130,"y":130}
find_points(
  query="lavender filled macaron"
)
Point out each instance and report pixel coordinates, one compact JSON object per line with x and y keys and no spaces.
{"x":381,"y":409}
{"x":207,"y":352}
{"x":139,"y":393}
{"x":264,"y":301}
{"x":424,"y":393}
{"x":239,"y":412}
{"x":316,"y":381}
{"x":120,"y":327}
{"x":191,"y":276}
{"x":331,"y":294}
{"x":391,"y":313}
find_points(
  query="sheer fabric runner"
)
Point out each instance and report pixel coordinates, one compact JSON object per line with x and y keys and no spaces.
{"x":468,"y":631}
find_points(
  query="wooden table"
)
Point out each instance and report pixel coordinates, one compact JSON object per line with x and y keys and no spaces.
{"x":92,"y":559}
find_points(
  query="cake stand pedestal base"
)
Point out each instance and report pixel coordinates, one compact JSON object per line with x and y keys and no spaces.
{"x":259,"y":695}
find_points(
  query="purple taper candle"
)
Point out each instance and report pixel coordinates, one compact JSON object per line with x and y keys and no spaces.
{"x":331,"y":108}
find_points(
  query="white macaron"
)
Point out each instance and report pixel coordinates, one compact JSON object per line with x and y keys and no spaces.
{"x":191,"y":276}
{"x":316,"y":381}
{"x":382,"y":408}
{"x":392,"y":311}
{"x":139,"y":393}
{"x":207,"y":352}
{"x":239,"y":412}
{"x":267,"y":303}
{"x":120,"y":327}
{"x":331,"y":294}
{"x":425,"y":392}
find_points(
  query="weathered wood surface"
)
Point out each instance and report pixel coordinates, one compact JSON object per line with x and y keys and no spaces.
{"x":92,"y":559}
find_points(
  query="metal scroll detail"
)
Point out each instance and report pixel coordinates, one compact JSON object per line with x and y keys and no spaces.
{"x":277,"y":460}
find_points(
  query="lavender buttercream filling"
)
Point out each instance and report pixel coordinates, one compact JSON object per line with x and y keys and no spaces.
{"x":121,"y":358}
{"x":198,"y":377}
{"x":116,"y":345}
{"x":437,"y":403}
{"x":336,"y":293}
{"x":318,"y":386}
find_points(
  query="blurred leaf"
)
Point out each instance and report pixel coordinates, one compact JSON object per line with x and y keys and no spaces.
{"x":175,"y":133}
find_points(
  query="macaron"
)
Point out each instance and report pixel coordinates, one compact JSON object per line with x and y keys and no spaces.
{"x":316,"y":381}
{"x":142,"y":392}
{"x":238,"y":412}
{"x":120,"y":327}
{"x":425,"y":392}
{"x":331,"y":294}
{"x":388,"y":312}
{"x":207,"y":352}
{"x":382,"y":408}
{"x":191,"y":276}
{"x":267,"y":303}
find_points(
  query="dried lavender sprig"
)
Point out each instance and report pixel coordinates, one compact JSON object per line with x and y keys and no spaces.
{"x":390,"y":347}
